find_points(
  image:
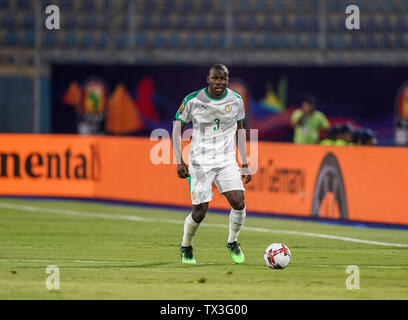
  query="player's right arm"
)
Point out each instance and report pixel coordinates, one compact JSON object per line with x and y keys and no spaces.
{"x":183,"y":117}
{"x":182,"y":168}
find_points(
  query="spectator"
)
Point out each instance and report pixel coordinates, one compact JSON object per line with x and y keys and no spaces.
{"x":344,"y":135}
{"x":364,"y":137}
{"x":307,"y":122}
{"x":331,"y":136}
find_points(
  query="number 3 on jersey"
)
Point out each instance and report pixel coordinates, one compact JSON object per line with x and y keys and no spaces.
{"x":217,"y":122}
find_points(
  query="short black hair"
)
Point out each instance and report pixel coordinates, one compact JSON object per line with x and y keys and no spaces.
{"x":219,"y":66}
{"x":310,"y":99}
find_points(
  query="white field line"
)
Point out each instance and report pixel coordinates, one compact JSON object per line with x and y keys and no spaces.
{"x":142,"y":219}
{"x":118,"y":264}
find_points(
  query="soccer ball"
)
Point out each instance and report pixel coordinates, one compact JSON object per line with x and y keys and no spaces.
{"x":277,"y":256}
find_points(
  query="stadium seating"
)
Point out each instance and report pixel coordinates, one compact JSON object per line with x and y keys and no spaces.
{"x":207,"y":25}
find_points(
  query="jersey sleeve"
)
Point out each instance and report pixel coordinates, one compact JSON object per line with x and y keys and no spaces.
{"x":324,"y":122}
{"x":241,"y":111}
{"x":184,"y":111}
{"x":296,"y":115}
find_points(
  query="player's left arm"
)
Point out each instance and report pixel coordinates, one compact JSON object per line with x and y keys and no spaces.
{"x":241,"y":145}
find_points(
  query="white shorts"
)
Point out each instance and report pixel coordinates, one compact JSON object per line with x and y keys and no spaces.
{"x":226,"y":178}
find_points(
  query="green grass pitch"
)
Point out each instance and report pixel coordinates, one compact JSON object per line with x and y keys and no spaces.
{"x":124,"y":252}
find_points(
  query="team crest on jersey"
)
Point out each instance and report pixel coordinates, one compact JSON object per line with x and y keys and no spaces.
{"x":193,"y":195}
{"x":228,"y":108}
{"x":181,"y":109}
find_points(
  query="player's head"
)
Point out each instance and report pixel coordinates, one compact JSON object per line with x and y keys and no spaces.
{"x":345,"y":132}
{"x":357,"y":134}
{"x":332,"y":132}
{"x":368,"y":138}
{"x":309,"y":104}
{"x":217,"y":79}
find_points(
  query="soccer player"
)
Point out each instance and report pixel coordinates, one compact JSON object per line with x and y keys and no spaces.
{"x":216,"y":113}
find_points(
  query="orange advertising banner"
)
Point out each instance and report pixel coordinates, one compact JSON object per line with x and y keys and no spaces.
{"x":351,"y":183}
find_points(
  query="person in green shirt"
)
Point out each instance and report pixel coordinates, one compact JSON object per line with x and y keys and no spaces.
{"x":307,"y":122}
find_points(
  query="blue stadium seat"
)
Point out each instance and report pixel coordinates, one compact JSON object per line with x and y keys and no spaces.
{"x":331,"y":5}
{"x":50,"y":39}
{"x":68,"y":40}
{"x":69,"y":22}
{"x":66,"y":5}
{"x":7,"y":21}
{"x":221,"y":41}
{"x":268,"y":24}
{"x":243,"y":5}
{"x":89,"y":23}
{"x":312,"y":42}
{"x":370,"y":41}
{"x":191,"y":41}
{"x":199,"y":22}
{"x":337,"y":42}
{"x":86,"y":40}
{"x":399,"y":42}
{"x":187,"y":6}
{"x":181,"y":22}
{"x":164,"y":22}
{"x":218,"y":22}
{"x":400,"y":24}
{"x":101,"y":41}
{"x":87,"y":6}
{"x":174,"y":41}
{"x":260,"y":5}
{"x":385,"y":42}
{"x":147,"y":22}
{"x":12,"y":38}
{"x":46,"y":3}
{"x":300,"y":24}
{"x":4,"y":4}
{"x":296,"y":42}
{"x":313,"y":24}
{"x":355,"y":41}
{"x":284,"y":23}
{"x":150,"y":6}
{"x":268,"y":42}
{"x":28,"y":21}
{"x":386,"y":24}
{"x":29,"y":39}
{"x":169,"y":6}
{"x":370,"y":24}
{"x":279,"y":5}
{"x":23,"y":4}
{"x":298,"y":5}
{"x":107,"y":5}
{"x":387,"y":5}
{"x":252,"y":23}
{"x":404,"y":5}
{"x":158,"y":41}
{"x":374,"y":5}
{"x":122,"y":40}
{"x":208,"y":42}
{"x":141,"y":40}
{"x":253,"y":43}
{"x":237,"y":42}
{"x":314,"y":5}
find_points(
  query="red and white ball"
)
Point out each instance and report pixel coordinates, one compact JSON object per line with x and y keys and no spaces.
{"x":277,"y":256}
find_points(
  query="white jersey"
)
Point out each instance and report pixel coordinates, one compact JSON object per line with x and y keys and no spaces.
{"x":214,"y":127}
